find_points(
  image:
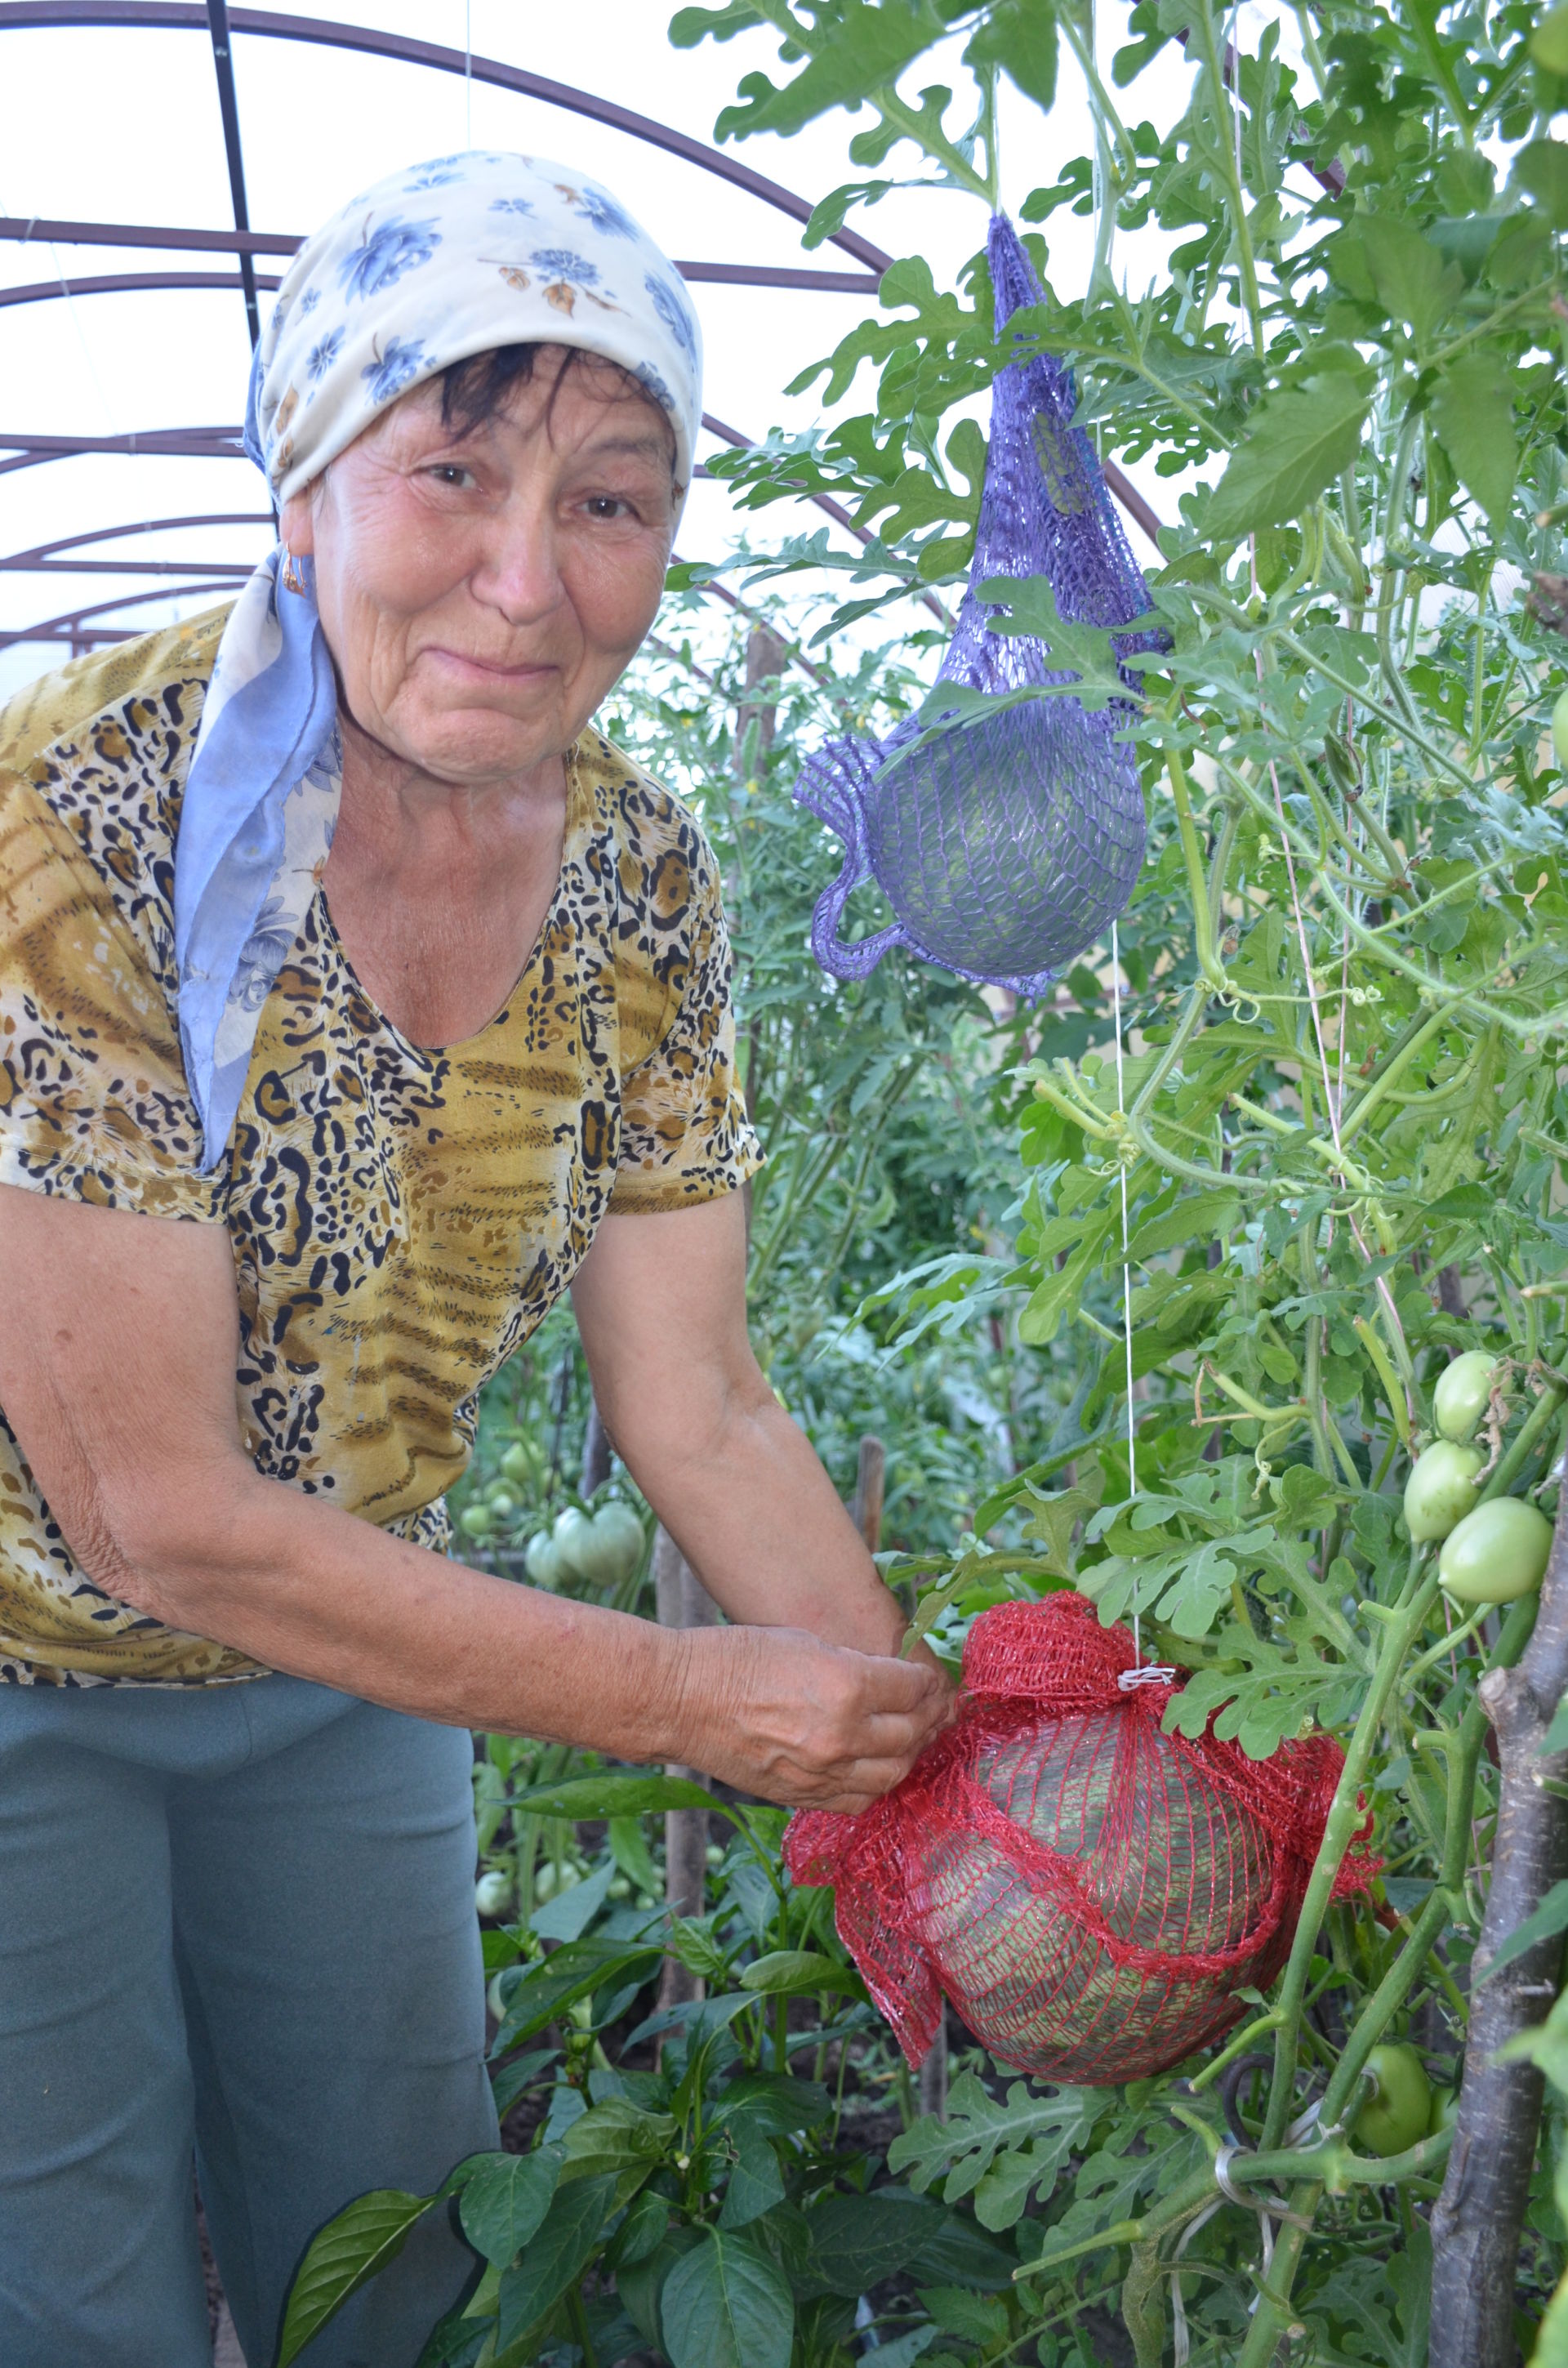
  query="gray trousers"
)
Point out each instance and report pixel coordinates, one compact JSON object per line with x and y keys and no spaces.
{"x":236,"y":1921}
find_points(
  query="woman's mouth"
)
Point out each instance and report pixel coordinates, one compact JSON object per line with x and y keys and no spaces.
{"x":512,"y":674}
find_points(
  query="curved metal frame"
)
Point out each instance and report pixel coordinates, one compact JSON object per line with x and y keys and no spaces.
{"x":43,"y":551}
{"x":248,"y":242}
{"x":184,"y":15}
{"x":118,"y":284}
{"x":52,"y":627}
{"x":219,"y":22}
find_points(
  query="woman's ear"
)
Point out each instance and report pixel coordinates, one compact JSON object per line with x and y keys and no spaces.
{"x":296,"y":522}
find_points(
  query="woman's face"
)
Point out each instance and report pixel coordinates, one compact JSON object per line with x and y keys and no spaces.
{"x":481,"y":590}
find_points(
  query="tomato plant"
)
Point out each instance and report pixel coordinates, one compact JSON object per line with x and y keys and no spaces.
{"x":1307,"y":1140}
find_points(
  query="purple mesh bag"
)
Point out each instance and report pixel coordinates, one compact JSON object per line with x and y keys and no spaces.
{"x":1010,"y":843}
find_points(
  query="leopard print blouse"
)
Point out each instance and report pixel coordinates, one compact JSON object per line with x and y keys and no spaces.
{"x":400,"y":1219}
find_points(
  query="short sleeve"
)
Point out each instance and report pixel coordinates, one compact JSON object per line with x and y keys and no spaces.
{"x":94,"y":1104}
{"x":685,"y":1135}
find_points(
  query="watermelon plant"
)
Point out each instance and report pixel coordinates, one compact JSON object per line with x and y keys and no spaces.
{"x":1280,"y":1300}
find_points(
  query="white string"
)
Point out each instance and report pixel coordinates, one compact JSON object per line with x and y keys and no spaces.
{"x":1142,"y":1673}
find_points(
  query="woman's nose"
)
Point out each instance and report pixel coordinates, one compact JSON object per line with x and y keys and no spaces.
{"x":519,"y":571}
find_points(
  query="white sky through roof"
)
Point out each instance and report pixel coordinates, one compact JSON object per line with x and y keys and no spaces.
{"x":122,"y":124}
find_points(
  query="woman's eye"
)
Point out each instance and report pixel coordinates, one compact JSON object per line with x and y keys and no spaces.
{"x":451,"y":473}
{"x":608,"y":505}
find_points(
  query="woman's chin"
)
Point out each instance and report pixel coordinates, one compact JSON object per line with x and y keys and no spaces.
{"x":477,"y":751}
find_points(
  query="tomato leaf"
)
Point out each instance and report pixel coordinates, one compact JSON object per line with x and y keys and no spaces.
{"x":1473,"y":410}
{"x":1414,"y":282}
{"x":850,"y":52}
{"x":1019,"y":36}
{"x":1201,"y":1216}
{"x":996,"y":2149}
{"x":342,"y":2257}
{"x":1300,"y":440}
{"x":1541,"y":171}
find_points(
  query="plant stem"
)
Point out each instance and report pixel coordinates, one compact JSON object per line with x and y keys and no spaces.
{"x":1208,"y":963}
{"x":1224,"y":106}
{"x":1106,"y":112}
{"x":579,"y":2318}
{"x":1344,"y":1817}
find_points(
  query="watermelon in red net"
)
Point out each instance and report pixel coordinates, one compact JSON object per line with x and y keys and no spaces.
{"x":1091,"y":1892}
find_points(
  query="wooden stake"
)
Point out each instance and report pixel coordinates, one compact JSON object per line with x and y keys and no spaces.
{"x":1477,"y":2220}
{"x":683,"y":1602}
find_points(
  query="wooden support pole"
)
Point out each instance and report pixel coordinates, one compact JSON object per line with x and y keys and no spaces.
{"x":865,"y":1505}
{"x":1477,"y":2220}
{"x":682,"y":1601}
{"x":595,"y":1452}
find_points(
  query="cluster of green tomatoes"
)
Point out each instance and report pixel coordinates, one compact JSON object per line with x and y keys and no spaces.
{"x":602,"y":1548}
{"x":1491,"y":1552}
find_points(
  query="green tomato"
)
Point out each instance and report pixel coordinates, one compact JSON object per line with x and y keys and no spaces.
{"x":619,"y":1522}
{"x":610,"y":1548}
{"x":1463,"y":1388}
{"x":1396,"y":2114}
{"x":571,"y":1534}
{"x":475,"y":1521}
{"x":1560,"y":730}
{"x":546,"y":1883}
{"x":503,"y":1504}
{"x":541,"y":1562}
{"x":515,"y":1467}
{"x":1441,"y":1489}
{"x":1496,"y":1554}
{"x":492,"y":1892}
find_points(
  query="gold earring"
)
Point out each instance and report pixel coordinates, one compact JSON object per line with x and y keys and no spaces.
{"x":293,"y":580}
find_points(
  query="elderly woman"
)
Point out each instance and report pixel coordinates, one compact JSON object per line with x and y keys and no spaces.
{"x":356,"y":998}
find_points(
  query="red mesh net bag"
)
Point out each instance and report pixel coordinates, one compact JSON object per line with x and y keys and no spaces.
{"x":1089,"y":1892}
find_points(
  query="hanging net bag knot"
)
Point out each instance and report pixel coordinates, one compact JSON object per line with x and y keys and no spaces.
{"x":1007,"y":844}
{"x":1090,"y":1893}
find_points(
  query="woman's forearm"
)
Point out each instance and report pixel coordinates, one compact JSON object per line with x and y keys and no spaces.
{"x":760,"y":1522}
{"x":303,"y":1587}
{"x":309,"y":1590}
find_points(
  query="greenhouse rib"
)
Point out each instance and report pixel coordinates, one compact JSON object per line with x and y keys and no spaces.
{"x":17,"y":16}
{"x":245,"y":242}
{"x":53,"y":627}
{"x":44,"y":551}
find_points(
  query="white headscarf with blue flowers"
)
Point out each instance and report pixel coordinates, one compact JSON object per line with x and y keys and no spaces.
{"x":437,"y":263}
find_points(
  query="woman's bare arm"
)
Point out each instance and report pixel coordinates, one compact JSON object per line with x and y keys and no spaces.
{"x":117,"y":1342}
{"x":661,"y":1305}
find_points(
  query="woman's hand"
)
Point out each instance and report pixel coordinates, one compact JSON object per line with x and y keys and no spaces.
{"x":775,"y":1712}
